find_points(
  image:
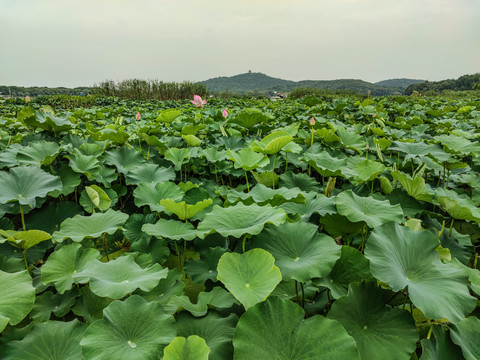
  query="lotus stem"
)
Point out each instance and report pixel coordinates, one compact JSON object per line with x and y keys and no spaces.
{"x":296,"y":291}
{"x":23,"y":218}
{"x":303,"y":295}
{"x":105,"y":246}
{"x":451,"y":228}
{"x":246,"y":178}
{"x":216,"y":175}
{"x":273,"y":171}
{"x":475,"y":261}
{"x":25,"y":259}
{"x":179,"y":259}
{"x":286,"y":162}
{"x":429,"y":332}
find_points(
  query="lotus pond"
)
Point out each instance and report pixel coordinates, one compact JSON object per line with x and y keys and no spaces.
{"x":237,"y":229}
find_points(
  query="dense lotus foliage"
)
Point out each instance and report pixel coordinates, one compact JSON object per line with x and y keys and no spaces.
{"x":241,"y":229}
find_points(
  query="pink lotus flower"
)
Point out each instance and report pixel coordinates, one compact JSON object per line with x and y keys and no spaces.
{"x":367,"y":147}
{"x":374,"y":115}
{"x":137,"y":117}
{"x":198,"y":101}
{"x":312,"y":121}
{"x":225,"y":113}
{"x":27,"y":98}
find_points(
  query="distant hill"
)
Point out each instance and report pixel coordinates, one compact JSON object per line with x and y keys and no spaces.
{"x":465,"y":82}
{"x":254,"y":81}
{"x":401,"y":83}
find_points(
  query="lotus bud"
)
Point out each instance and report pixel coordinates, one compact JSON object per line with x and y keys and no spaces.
{"x":330,"y":186}
{"x":137,"y":117}
{"x":225,"y":113}
{"x":367,"y":147}
{"x":312,"y":121}
{"x":374,"y":114}
{"x":27,"y":99}
{"x":385,"y":185}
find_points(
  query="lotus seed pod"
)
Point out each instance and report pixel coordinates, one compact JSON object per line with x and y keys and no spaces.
{"x":385,"y":185}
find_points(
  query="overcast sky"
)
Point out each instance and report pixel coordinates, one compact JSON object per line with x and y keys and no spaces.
{"x":75,"y":43}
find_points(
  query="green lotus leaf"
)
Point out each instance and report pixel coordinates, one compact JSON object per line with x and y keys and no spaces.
{"x":205,"y":268}
{"x":326,"y":135}
{"x":25,"y":184}
{"x":411,"y":150}
{"x":458,"y":145}
{"x":248,"y":118}
{"x":325,"y":164}
{"x":171,"y":229}
{"x":403,"y":257}
{"x":17,"y":296}
{"x":95,"y":197}
{"x":133,"y":329}
{"x":473,"y":275}
{"x":374,"y":212}
{"x":192,"y":140}
{"x":250,"y":277}
{"x":460,"y":208}
{"x":379,"y":331}
{"x":49,"y":340}
{"x":124,"y":159}
{"x":465,"y":335}
{"x":351,"y":140}
{"x":151,"y":194}
{"x":133,"y":227}
{"x":267,"y":178}
{"x":367,"y":170}
{"x":300,"y":252}
{"x":47,"y":121}
{"x":302,"y":181}
{"x":183,"y":210}
{"x":106,"y":176}
{"x":89,"y":305}
{"x":40,"y":153}
{"x":191,"y":348}
{"x":122,"y":276}
{"x":441,"y":347}
{"x":84,"y":164}
{"x":414,"y":187}
{"x":112,"y":132}
{"x":69,"y":178}
{"x":263,"y":195}
{"x":167,"y":116}
{"x":241,"y":219}
{"x":215,"y":329}
{"x":213,"y":154}
{"x":178,"y":156}
{"x":276,"y":329}
{"x":247,"y":159}
{"x":65,"y":266}
{"x":12,"y":265}
{"x":149,"y":173}
{"x":48,"y":303}
{"x":80,"y":227}
{"x":218,"y":298}
{"x":272,"y":143}
{"x":351,"y":267}
{"x":51,"y":215}
{"x":314,"y":204}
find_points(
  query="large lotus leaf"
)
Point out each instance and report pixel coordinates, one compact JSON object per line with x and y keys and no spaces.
{"x":94,"y":197}
{"x":326,"y":135}
{"x":121,"y":276}
{"x":51,"y":215}
{"x":192,"y":140}
{"x":276,"y":329}
{"x":374,"y":212}
{"x":69,"y":178}
{"x":458,"y":145}
{"x":149,"y":173}
{"x":47,"y":121}
{"x":218,"y":298}
{"x":300,"y":252}
{"x":351,"y":267}
{"x":262,"y":195}
{"x":325,"y":164}
{"x":241,"y":219}
{"x":168,"y":115}
{"x":26,"y":183}
{"x":8,"y":156}
{"x":49,"y":302}
{"x":302,"y":181}
{"x":250,"y":277}
{"x":473,"y":275}
{"x":124,"y":159}
{"x":419,"y":149}
{"x":460,"y":208}
{"x":17,"y":296}
{"x":40,"y":153}
{"x":65,"y":266}
{"x":26,"y":239}
{"x":52,"y":340}
{"x":84,"y":164}
{"x":182,"y":209}
{"x":215,"y":329}
{"x":337,"y":225}
{"x":248,"y":118}
{"x":151,"y":194}
{"x":80,"y":227}
{"x":191,"y":348}
{"x":178,"y":156}
{"x":213,"y":154}
{"x":379,"y":331}
{"x":414,"y":187}
{"x":440,"y":348}
{"x":367,"y":170}
{"x":133,"y":329}
{"x":267,"y":178}
{"x":247,"y":159}
{"x":465,"y":334}
{"x":133,"y":227}
{"x":351,"y":140}
{"x":403,"y":257}
{"x":89,"y":305}
{"x":171,"y":229}
{"x":314,"y":203}
{"x":272,"y":143}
